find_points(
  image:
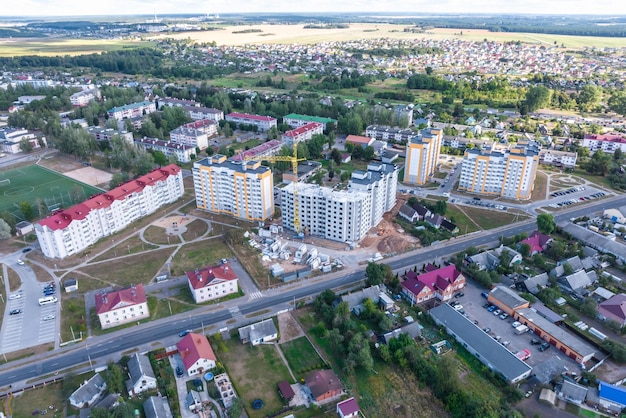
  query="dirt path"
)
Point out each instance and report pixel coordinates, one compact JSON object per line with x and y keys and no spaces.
{"x":460,"y":208}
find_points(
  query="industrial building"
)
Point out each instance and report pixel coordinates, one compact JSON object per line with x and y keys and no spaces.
{"x":422,"y":154}
{"x":506,"y":173}
{"x":240,"y":189}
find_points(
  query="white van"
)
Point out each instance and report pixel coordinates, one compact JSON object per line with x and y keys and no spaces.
{"x":47,"y":300}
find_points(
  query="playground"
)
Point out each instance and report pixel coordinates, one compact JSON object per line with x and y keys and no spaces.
{"x":44,"y":189}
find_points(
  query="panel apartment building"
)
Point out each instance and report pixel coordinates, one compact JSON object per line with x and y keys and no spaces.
{"x":343,"y":215}
{"x":71,"y":230}
{"x":264,"y":123}
{"x":508,"y":173}
{"x":132,"y":110}
{"x":422,"y":154}
{"x":240,"y":189}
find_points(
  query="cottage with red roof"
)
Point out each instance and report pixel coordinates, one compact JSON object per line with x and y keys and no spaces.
{"x":440,"y":283}
{"x":302,"y":133}
{"x":323,"y":385}
{"x":362,"y":141}
{"x":69,"y":231}
{"x":196,"y":353}
{"x":264,"y":123}
{"x":537,"y":241}
{"x":614,"y":309}
{"x":348,"y":408}
{"x":212,"y":282}
{"x":122,"y":306}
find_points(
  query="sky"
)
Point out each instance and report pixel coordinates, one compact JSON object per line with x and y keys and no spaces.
{"x":129,"y":7}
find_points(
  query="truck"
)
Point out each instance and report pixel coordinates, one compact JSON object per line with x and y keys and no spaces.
{"x":521,"y":329}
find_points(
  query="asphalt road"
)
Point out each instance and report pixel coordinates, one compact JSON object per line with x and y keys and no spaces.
{"x":129,"y":338}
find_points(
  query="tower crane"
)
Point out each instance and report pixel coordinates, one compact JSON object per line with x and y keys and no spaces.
{"x":293,"y":159}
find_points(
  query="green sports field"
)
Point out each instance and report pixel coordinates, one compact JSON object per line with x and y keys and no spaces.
{"x":44,"y":189}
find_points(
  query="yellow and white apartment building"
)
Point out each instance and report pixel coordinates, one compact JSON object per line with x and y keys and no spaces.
{"x":422,"y":153}
{"x":507,"y":173}
{"x":240,"y":189}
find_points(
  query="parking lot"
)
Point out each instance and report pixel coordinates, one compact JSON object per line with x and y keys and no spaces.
{"x":544,"y":364}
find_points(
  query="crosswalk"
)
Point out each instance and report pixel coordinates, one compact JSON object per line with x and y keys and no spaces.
{"x":234,"y":311}
{"x":255,"y":295}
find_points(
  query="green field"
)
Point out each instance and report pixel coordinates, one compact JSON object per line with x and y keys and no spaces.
{"x":35,"y":184}
{"x":61,"y":46}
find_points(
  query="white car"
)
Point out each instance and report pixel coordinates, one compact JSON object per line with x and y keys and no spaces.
{"x":20,"y":262}
{"x":516,"y":324}
{"x":48,"y":317}
{"x":15,"y":296}
{"x":445,"y":194}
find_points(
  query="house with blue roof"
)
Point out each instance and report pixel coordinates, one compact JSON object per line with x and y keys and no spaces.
{"x":612,"y":397}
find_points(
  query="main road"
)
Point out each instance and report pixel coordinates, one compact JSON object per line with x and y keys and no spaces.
{"x":101,"y":347}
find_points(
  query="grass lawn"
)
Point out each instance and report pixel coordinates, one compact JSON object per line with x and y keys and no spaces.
{"x":140,"y":268}
{"x":540,"y":188}
{"x":157,"y":235}
{"x":32,"y":183}
{"x":489,"y":219}
{"x":131,"y":245}
{"x":14,"y":279}
{"x":198,"y":255}
{"x":301,"y":356}
{"x":460,"y":219}
{"x":73,"y":317}
{"x":195,"y":229}
{"x":39,"y":399}
{"x":255,"y":372}
{"x":59,"y":46}
{"x":599,"y":180}
{"x":162,"y":308}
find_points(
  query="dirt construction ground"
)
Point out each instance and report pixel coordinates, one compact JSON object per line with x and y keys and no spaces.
{"x":289,"y":327}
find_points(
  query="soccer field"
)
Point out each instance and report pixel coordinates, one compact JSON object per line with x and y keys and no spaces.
{"x":44,"y":189}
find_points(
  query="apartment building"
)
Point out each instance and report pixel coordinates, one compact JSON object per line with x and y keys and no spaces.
{"x":386,"y":133}
{"x":240,"y":189}
{"x":183,"y":153}
{"x":202,"y":113}
{"x":194,"y":134}
{"x":173,"y":102}
{"x":122,"y":306}
{"x":83,"y":98}
{"x":302,"y":133}
{"x":71,"y":230}
{"x":295,"y":121}
{"x":264,"y":123}
{"x":266,"y":149}
{"x":212,"y":282}
{"x":132,"y":110}
{"x":562,"y":159}
{"x":605,"y":142}
{"x":342,"y":215}
{"x":107,"y":134}
{"x":507,"y":173}
{"x":422,"y":154}
{"x":10,"y":139}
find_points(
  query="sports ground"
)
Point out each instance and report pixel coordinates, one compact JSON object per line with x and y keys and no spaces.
{"x":33,"y":182}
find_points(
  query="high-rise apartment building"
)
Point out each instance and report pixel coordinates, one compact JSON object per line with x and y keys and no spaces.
{"x":422,"y":153}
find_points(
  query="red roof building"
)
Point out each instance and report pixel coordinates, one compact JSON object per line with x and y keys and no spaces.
{"x":122,"y":306}
{"x":362,"y":141}
{"x":348,"y":408}
{"x":606,"y":142}
{"x":69,"y":231}
{"x":614,"y":309}
{"x":323,"y":384}
{"x":537,"y":242}
{"x":440,"y":283}
{"x":212,"y":282}
{"x":196,"y":353}
{"x":303,"y":133}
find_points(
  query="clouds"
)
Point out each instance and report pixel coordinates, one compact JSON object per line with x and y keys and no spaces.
{"x":129,"y":7}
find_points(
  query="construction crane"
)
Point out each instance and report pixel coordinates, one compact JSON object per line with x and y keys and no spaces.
{"x":293,"y":159}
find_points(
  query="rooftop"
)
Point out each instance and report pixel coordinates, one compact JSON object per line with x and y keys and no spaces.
{"x":119,"y":299}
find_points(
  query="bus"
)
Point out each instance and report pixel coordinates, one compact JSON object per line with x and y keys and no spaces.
{"x":47,"y":300}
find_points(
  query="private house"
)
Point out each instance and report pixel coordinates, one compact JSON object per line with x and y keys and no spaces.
{"x":487,"y":350}
{"x":578,"y":282}
{"x":537,"y":242}
{"x":355,"y":299}
{"x":611,"y":397}
{"x":23,"y":227}
{"x":614,"y":309}
{"x":439,"y":283}
{"x":536,"y":283}
{"x":285,"y":390}
{"x":574,"y":262}
{"x":212,"y":282}
{"x":413,"y":330}
{"x":122,"y":306}
{"x":490,"y":259}
{"x":89,"y":392}
{"x":323,"y":385}
{"x":193,"y":400}
{"x":258,"y":333}
{"x":225,"y":387}
{"x":361,"y":141}
{"x":70,"y":285}
{"x":571,"y":392}
{"x":348,"y":408}
{"x":141,"y":375}
{"x":507,"y":300}
{"x":422,"y":212}
{"x":570,"y":345}
{"x":197,"y":354}
{"x":157,"y":407}
{"x":408,"y":213}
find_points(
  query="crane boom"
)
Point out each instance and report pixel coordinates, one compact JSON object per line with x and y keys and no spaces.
{"x":293,"y":159}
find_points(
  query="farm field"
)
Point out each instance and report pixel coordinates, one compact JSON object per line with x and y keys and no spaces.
{"x":34,"y":182}
{"x":54,"y":47}
{"x":296,"y":34}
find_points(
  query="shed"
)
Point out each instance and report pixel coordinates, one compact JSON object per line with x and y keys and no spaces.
{"x":285,"y":390}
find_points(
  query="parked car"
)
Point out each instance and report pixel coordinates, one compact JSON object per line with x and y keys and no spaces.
{"x":497,"y":312}
{"x":27,"y":249}
{"x":48,"y":317}
{"x":179,"y":372}
{"x":484,"y":294}
{"x":492,"y":308}
{"x":183,"y":333}
{"x":15,"y":311}
{"x":504,"y":316}
{"x":505,"y":343}
{"x":535,"y":341}
{"x":487,"y":330}
{"x":487,"y":305}
{"x":516,"y":324}
{"x":15,"y":296}
{"x":544,"y":347}
{"x":20,"y":262}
